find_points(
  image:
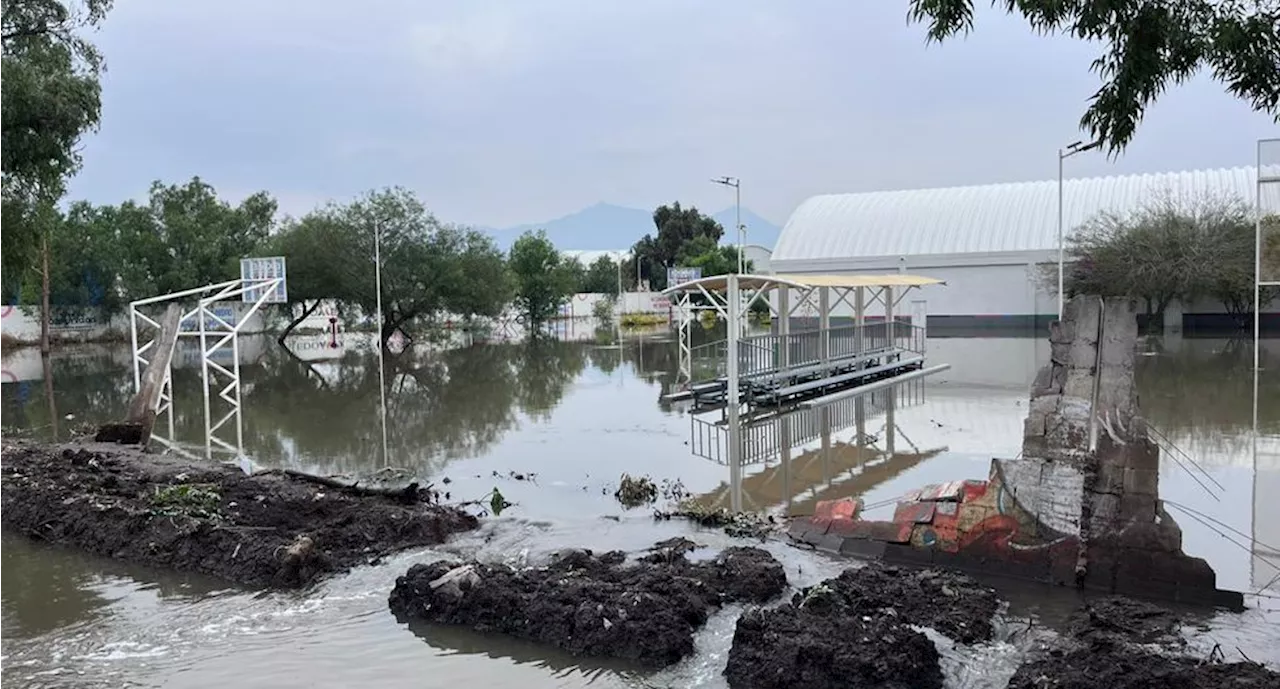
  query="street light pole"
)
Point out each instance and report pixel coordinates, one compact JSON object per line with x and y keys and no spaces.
{"x":737,"y":214}
{"x":1063,"y":154}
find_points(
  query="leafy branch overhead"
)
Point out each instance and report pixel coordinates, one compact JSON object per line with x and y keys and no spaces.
{"x":51,"y":97}
{"x":1149,"y":45}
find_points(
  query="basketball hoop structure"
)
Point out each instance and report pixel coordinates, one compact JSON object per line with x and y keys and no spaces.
{"x":262,"y":281}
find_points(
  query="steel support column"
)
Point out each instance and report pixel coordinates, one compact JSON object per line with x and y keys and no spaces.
{"x":735,"y":315}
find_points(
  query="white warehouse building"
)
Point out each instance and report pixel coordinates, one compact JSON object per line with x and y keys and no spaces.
{"x":985,"y":241}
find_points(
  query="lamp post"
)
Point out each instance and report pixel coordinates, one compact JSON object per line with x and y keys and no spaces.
{"x":737,"y":213}
{"x":1063,"y":154}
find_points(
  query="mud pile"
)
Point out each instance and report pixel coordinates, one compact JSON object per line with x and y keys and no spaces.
{"x":1109,"y":645}
{"x":270,"y":529}
{"x":593,"y":605}
{"x":855,"y":631}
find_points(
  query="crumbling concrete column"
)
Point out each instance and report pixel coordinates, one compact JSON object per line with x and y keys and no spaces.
{"x":1088,"y":469}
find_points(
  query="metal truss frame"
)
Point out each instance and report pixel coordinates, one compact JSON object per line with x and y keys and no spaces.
{"x":217,"y":336}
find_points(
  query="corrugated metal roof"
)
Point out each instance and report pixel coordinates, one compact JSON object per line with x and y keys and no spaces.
{"x":981,"y":219}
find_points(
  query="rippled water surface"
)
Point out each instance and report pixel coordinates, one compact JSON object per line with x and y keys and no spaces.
{"x":575,"y":414}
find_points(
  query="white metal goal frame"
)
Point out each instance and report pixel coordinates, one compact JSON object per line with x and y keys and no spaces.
{"x":217,"y":335}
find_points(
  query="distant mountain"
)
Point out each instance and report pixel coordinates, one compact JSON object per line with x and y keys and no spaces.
{"x":759,"y":230}
{"x":606,"y":227}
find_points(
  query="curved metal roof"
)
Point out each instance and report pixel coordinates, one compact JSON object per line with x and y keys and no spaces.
{"x":981,"y":219}
{"x":719,"y":283}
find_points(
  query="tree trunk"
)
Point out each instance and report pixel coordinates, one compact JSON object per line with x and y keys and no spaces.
{"x":47,"y":364}
{"x":306,"y":311}
{"x":44,"y":293}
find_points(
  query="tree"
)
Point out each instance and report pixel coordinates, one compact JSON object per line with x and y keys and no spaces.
{"x":185,"y":237}
{"x":318,"y":251}
{"x":676,"y":227}
{"x":601,"y":277}
{"x":577,"y":271}
{"x":86,"y":273}
{"x":51,"y":96}
{"x":543,"y":278}
{"x":1171,"y":248}
{"x":428,"y":267}
{"x":1148,"y":46}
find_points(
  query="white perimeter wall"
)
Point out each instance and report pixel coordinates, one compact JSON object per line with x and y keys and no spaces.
{"x":22,"y":323}
{"x":583,"y":305}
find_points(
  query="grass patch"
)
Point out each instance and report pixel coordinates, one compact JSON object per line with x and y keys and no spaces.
{"x":195,"y":500}
{"x":636,"y":320}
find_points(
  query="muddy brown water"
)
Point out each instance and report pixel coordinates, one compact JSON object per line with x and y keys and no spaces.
{"x":573,"y":415}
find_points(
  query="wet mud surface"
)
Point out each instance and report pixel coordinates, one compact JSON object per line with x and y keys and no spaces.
{"x":854,"y":630}
{"x":644,"y":611}
{"x":1120,"y":643}
{"x":267,"y":530}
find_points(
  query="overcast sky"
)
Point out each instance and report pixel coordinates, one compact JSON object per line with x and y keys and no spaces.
{"x":498,"y":112}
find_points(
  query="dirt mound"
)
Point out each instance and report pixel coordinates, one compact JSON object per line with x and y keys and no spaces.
{"x":269,"y":529}
{"x":593,"y":605}
{"x":1102,"y":650}
{"x":1118,"y":667}
{"x":828,"y":647}
{"x":854,"y":631}
{"x":1118,"y":620}
{"x":951,"y":603}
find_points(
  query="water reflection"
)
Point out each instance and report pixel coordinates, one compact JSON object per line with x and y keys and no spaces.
{"x":576,"y":412}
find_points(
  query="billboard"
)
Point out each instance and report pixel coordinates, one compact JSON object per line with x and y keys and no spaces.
{"x":676,"y":276}
{"x":265,"y":268}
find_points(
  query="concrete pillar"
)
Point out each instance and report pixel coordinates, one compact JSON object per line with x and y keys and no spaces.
{"x":731,"y":394}
{"x":1089,"y":471}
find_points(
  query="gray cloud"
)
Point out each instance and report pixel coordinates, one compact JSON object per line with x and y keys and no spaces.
{"x":510,"y":111}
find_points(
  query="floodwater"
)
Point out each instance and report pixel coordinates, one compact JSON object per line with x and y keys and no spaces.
{"x":570,"y":416}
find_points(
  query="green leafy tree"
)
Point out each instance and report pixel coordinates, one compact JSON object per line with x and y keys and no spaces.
{"x":676,"y":226}
{"x":51,"y":96}
{"x":428,"y":267}
{"x":86,"y":273}
{"x":601,"y":277}
{"x":1148,"y":45}
{"x":318,"y":251}
{"x":712,"y":258}
{"x":480,"y":284}
{"x":544,"y":279}
{"x":577,"y":271}
{"x":185,"y":237}
{"x":1171,"y":248}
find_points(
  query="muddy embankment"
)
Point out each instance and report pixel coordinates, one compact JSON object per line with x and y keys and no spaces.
{"x":855,"y":630}
{"x":271,"y":529}
{"x":1119,"y":643}
{"x":597,"y":605}
{"x":859,"y":629}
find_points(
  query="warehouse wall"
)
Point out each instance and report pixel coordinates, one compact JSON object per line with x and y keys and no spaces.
{"x":1002,"y":292}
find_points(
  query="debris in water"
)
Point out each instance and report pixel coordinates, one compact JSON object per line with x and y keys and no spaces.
{"x":634,"y":491}
{"x":497,"y":503}
{"x":593,"y":605}
{"x":1120,"y":619}
{"x":738,"y":525}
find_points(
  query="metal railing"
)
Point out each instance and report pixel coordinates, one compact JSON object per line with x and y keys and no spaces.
{"x":710,"y":440}
{"x":764,"y":353}
{"x":761,"y":440}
